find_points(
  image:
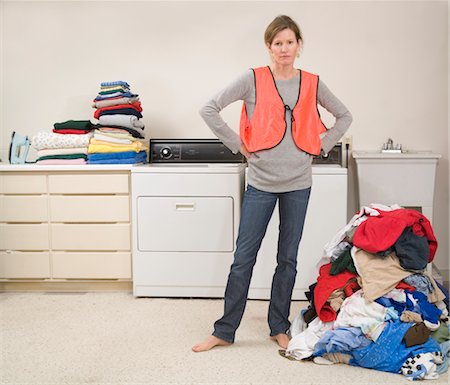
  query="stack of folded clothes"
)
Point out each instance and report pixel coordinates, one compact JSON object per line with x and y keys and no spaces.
{"x":116,"y":137}
{"x":67,"y":144}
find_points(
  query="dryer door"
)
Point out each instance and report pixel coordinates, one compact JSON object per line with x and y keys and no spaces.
{"x":199,"y":224}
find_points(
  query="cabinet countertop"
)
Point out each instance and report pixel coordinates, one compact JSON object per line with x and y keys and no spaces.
{"x":6,"y":167}
{"x":83,"y":167}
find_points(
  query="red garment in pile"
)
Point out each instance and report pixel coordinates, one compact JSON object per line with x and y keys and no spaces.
{"x":379,"y":233}
{"x":326,"y":284}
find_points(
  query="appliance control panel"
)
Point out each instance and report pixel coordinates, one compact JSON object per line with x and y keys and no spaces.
{"x":214,"y":151}
{"x":334,"y":157}
{"x":192,"y":151}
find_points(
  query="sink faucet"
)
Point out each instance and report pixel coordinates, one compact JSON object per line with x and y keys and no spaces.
{"x":389,"y":145}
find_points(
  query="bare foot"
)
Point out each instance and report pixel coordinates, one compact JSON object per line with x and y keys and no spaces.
{"x":209,"y":343}
{"x":281,"y":339}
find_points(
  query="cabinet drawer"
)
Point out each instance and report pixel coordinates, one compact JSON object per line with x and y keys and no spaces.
{"x":24,"y":237}
{"x":92,"y":265}
{"x":24,"y":265}
{"x":23,"y":184}
{"x":90,"y":236}
{"x":199,"y":224}
{"x":88,"y":183}
{"x":89,"y":208}
{"x":23,"y":208}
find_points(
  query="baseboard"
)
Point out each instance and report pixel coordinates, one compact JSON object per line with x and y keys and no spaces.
{"x":65,"y":286}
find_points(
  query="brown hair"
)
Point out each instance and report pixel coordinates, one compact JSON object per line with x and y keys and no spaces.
{"x":279,"y":24}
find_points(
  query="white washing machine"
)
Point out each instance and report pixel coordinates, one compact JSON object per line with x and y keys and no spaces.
{"x":185,"y":219}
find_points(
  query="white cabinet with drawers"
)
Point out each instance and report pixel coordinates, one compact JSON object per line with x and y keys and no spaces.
{"x":61,"y":224}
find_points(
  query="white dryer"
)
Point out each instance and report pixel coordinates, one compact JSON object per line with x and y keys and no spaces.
{"x":185,"y":219}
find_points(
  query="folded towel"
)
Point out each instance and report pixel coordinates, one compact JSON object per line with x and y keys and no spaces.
{"x":140,"y":157}
{"x":101,"y":146}
{"x":62,"y":151}
{"x":116,"y":155}
{"x":62,"y":161}
{"x":43,"y":140}
{"x":63,"y":156}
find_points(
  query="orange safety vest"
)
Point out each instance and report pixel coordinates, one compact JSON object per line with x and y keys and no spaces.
{"x":267,"y":126}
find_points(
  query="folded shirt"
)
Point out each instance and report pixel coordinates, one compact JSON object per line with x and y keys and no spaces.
{"x":114,"y":102}
{"x":135,"y":106}
{"x":129,"y":121}
{"x":114,"y":88}
{"x":70,"y":131}
{"x":74,"y":125}
{"x":120,"y":134}
{"x":113,"y":91}
{"x":114,"y":83}
{"x":115,"y":94}
{"x":121,"y":111}
{"x":111,"y":139}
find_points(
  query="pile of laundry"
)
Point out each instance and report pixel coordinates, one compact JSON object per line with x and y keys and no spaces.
{"x":375,"y":305}
{"x":116,"y":137}
{"x":66,"y":144}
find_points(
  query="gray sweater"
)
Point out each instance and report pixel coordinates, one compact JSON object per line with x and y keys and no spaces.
{"x":284,"y":167}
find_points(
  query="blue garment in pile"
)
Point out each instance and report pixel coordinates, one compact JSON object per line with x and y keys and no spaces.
{"x":389,"y":352}
{"x":341,"y":340}
{"x":427,"y":310}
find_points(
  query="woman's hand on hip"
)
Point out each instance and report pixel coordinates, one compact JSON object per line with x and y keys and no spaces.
{"x":244,"y":151}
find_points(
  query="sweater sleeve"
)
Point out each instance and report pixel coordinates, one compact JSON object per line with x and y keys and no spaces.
{"x":239,"y":89}
{"x":343,"y":117}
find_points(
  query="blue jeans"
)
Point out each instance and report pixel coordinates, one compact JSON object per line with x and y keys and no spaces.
{"x":257,"y":210}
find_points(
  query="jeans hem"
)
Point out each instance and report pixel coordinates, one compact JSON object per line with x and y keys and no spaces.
{"x":272,"y":334}
{"x":231,"y":341}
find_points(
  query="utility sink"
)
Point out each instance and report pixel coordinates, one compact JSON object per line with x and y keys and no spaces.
{"x":405,"y":178}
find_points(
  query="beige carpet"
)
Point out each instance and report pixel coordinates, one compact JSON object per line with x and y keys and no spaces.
{"x":114,"y":338}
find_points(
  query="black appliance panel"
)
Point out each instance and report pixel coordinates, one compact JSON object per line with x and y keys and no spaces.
{"x":192,"y":151}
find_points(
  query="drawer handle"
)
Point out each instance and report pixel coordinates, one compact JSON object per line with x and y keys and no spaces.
{"x":185,"y":206}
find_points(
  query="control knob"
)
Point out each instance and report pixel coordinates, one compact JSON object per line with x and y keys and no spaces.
{"x":166,"y":153}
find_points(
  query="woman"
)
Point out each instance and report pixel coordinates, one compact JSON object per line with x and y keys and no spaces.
{"x":280,"y":132}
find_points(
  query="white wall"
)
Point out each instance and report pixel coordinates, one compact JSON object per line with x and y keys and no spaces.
{"x":387,"y":61}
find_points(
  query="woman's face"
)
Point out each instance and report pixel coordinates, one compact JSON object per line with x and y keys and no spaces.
{"x":284,"y":47}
